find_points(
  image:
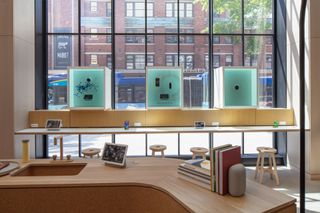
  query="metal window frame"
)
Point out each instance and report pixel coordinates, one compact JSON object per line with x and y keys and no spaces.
{"x":41,"y":94}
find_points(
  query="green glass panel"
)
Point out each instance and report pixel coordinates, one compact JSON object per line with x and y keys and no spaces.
{"x":164,"y":87}
{"x":86,"y":87}
{"x":240,"y":87}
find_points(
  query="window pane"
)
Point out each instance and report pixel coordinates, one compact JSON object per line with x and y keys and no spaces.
{"x":258,"y":16}
{"x":62,"y":53}
{"x":167,"y":50}
{"x":227,"y":16}
{"x":98,"y":49}
{"x":228,"y":52}
{"x":227,"y":138}
{"x":99,"y":18}
{"x":136,"y":143}
{"x":165,"y":16}
{"x":169,"y":140}
{"x":257,"y":50}
{"x":189,"y":140}
{"x":195,"y":77}
{"x":254,"y":140}
{"x":95,"y":141}
{"x":130,"y":74}
{"x":129,"y":15}
{"x":57,"y":89}
{"x":70,"y":146}
{"x":62,"y":16}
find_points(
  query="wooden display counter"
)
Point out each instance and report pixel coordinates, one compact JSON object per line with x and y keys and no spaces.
{"x":163,"y":117}
{"x":146,"y":185}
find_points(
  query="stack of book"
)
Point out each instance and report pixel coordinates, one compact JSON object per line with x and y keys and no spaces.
{"x":196,"y":171}
{"x":221,"y":159}
{"x":213,"y":174}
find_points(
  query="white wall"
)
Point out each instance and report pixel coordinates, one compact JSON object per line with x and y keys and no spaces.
{"x":24,"y":68}
{"x":312,"y":78}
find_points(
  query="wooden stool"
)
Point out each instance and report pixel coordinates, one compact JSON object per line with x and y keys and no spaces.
{"x":262,"y":151}
{"x":91,"y":152}
{"x":158,"y":148}
{"x":198,"y":151}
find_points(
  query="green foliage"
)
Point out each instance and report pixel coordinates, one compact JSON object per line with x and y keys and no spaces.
{"x":228,"y":18}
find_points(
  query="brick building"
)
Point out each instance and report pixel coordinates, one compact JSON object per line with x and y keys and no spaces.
{"x":93,"y":42}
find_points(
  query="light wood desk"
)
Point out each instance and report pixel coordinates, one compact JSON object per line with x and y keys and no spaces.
{"x":146,"y":185}
{"x":152,"y":130}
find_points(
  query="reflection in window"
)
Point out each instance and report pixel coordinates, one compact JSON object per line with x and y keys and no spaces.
{"x":268,"y":61}
{"x":93,"y":6}
{"x":185,"y":10}
{"x":229,"y":60}
{"x":136,"y":9}
{"x":94,"y":59}
{"x":171,"y":39}
{"x":94,"y":32}
{"x":138,"y":61}
{"x":216,"y":39}
{"x":228,"y":40}
{"x":186,"y":61}
{"x":171,"y":10}
{"x":186,"y":39}
{"x":108,"y":9}
{"x":138,"y":39}
{"x":216,"y":61}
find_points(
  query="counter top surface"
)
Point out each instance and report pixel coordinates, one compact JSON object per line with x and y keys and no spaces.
{"x":160,"y":174}
{"x":135,"y":130}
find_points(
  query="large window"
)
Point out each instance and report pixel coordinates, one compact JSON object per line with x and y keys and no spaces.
{"x":141,"y":33}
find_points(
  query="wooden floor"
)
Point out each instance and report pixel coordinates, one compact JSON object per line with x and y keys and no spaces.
{"x":289,"y":184}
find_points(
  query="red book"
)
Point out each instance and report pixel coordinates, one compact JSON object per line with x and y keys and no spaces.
{"x":227,"y":158}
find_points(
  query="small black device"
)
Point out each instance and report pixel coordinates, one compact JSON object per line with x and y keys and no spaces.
{"x":53,"y":124}
{"x":157,"y":82}
{"x":88,"y":97}
{"x":199,"y":124}
{"x":164,"y":96}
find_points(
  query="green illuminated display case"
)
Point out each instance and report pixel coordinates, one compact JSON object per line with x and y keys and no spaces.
{"x":164,"y":87}
{"x":89,"y":88}
{"x":235,"y":87}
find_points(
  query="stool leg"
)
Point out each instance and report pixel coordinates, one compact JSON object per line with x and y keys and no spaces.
{"x":257,"y":165}
{"x":204,"y":156}
{"x":153,"y":153}
{"x":270,"y":165}
{"x":193,"y":156}
{"x":162,"y":154}
{"x":262,"y":167}
{"x":275,"y":170}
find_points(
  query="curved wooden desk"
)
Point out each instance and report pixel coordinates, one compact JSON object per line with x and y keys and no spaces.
{"x":146,"y":185}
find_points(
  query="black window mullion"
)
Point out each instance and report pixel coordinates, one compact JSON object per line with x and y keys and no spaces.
{"x":113,"y":56}
{"x":79,"y":32}
{"x":242,"y":37}
{"x":210,"y":57}
{"x":178,"y":25}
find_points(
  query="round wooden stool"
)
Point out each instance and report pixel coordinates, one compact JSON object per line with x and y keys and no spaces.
{"x":91,"y":152}
{"x":272,"y":168}
{"x":158,"y":148}
{"x":198,"y":151}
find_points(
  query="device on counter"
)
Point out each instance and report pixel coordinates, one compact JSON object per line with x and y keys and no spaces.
{"x":54,"y":124}
{"x":199,"y":124}
{"x":115,"y":154}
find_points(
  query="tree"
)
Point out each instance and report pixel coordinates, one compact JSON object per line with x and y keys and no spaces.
{"x":228,"y":19}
